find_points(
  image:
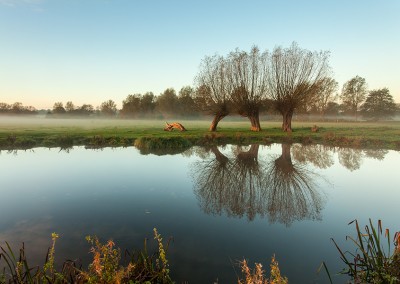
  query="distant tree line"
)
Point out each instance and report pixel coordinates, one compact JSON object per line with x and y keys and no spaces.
{"x":16,"y":108}
{"x":167,"y":105}
{"x":285,"y":82}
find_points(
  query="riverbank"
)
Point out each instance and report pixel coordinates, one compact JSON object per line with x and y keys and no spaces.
{"x":26,"y":133}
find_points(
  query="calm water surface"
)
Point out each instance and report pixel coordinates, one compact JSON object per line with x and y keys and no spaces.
{"x":220,"y":204}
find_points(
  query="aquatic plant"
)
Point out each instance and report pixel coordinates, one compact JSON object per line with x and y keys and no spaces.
{"x":17,"y":269}
{"x":374,"y":261}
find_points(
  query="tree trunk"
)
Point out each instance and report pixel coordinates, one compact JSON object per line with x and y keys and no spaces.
{"x":286,"y":153}
{"x":284,"y":162}
{"x":251,"y":155}
{"x":255,"y":122}
{"x":221,"y":158}
{"x":287,"y":121}
{"x":214,"y":123}
{"x":355,"y":112}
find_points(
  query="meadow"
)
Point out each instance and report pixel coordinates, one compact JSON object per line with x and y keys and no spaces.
{"x":25,"y":133}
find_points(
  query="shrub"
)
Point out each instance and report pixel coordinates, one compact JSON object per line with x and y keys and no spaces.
{"x":257,"y":275}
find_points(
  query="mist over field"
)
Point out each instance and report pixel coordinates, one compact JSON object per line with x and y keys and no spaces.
{"x":33,"y":122}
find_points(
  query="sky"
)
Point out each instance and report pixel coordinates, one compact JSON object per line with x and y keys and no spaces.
{"x":89,"y":51}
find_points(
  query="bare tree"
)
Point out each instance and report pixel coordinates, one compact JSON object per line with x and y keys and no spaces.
{"x":213,"y":91}
{"x":353,"y":94}
{"x":295,"y":76}
{"x":248,"y":78}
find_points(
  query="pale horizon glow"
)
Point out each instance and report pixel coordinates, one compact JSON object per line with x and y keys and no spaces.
{"x":95,"y":50}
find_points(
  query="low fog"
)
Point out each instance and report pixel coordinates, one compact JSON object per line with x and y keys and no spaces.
{"x":37,"y":121}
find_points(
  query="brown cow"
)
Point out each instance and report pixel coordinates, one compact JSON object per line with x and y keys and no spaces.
{"x":171,"y":126}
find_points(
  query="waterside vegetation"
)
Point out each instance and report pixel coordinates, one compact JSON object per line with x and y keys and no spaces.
{"x":374,"y":261}
{"x":149,"y":136}
{"x":108,"y":267}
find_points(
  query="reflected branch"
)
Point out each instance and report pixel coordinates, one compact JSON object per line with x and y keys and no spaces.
{"x":292,"y":193}
{"x":244,"y":185}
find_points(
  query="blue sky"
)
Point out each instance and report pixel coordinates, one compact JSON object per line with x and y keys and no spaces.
{"x":89,"y":51}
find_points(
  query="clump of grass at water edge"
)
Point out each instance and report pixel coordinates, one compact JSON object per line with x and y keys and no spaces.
{"x":374,"y":259}
{"x":105,"y":268}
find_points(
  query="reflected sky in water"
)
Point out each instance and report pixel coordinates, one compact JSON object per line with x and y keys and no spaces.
{"x":219,"y":204}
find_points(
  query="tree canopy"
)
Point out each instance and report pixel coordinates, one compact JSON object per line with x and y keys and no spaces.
{"x":296,"y":75}
{"x":379,"y":105}
{"x":213,"y":91}
{"x":248,"y":74}
{"x":353,"y":94}
{"x":108,"y":108}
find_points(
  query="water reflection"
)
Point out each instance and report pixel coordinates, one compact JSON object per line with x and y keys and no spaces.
{"x":120,"y":194}
{"x":244,"y":184}
{"x":349,"y":158}
{"x":293,"y":194}
{"x":229,"y":185}
{"x":378,"y":154}
{"x":318,"y":155}
{"x":284,"y":188}
{"x":322,"y":156}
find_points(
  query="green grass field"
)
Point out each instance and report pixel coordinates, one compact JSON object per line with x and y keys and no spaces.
{"x":23,"y":133}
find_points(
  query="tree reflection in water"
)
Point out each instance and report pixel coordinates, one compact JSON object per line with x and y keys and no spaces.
{"x":322,"y":156}
{"x":241,"y":184}
{"x":378,"y":154}
{"x":319,"y":155}
{"x":230,"y":185}
{"x":292,"y":193}
{"x":350,"y":158}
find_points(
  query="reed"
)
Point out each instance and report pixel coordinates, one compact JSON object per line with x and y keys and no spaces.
{"x":374,"y":259}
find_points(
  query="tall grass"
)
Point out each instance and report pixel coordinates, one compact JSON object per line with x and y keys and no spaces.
{"x":106,"y":267}
{"x":374,"y":259}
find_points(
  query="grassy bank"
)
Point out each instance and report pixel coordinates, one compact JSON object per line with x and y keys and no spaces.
{"x":20,"y":133}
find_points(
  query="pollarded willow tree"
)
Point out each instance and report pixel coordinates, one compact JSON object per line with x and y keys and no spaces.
{"x":295,"y":77}
{"x":247,"y":76}
{"x":236,"y":83}
{"x":213,"y":92}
